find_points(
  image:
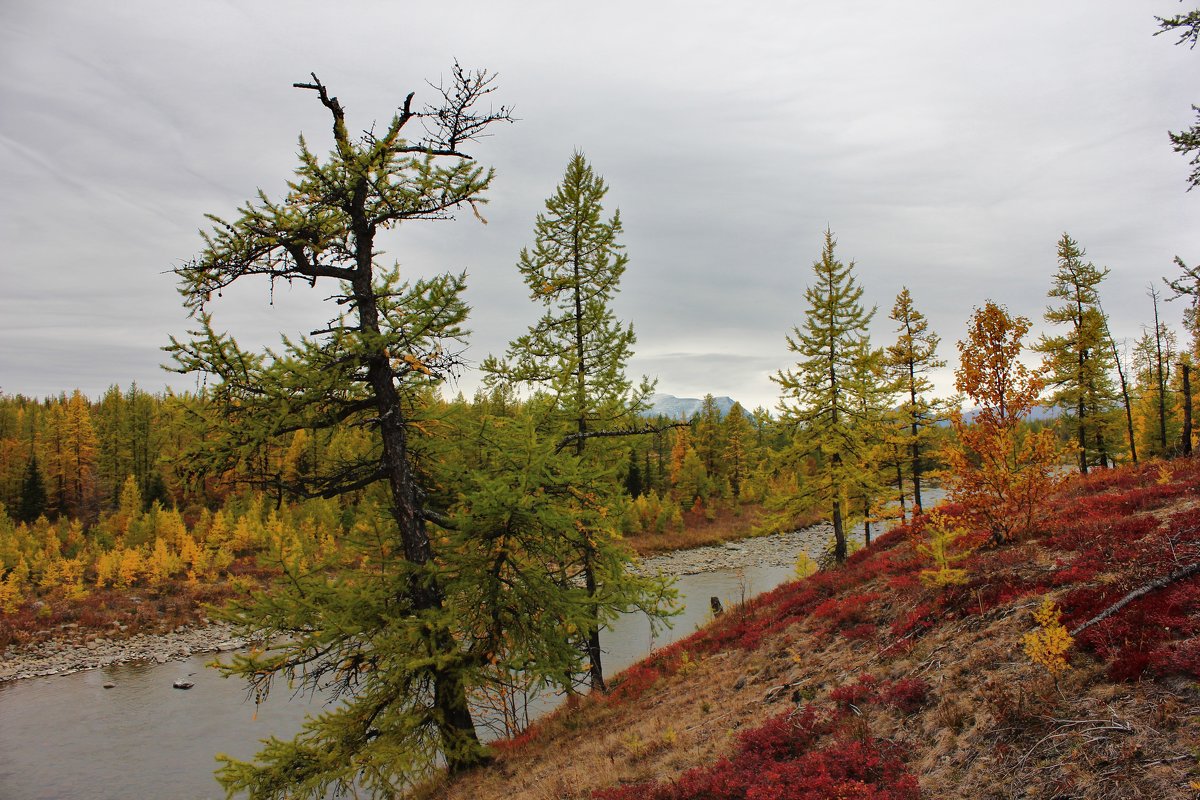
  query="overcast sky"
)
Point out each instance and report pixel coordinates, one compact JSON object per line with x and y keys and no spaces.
{"x":948,"y":145}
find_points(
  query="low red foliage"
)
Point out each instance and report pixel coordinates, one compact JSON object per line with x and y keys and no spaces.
{"x":862,"y":691}
{"x":864,"y":630}
{"x":523,"y":738}
{"x":778,"y":761}
{"x":921,"y":618}
{"x":845,"y":611}
{"x":634,"y":681}
{"x":1179,"y":657}
{"x":902,"y":584}
{"x":906,"y":694}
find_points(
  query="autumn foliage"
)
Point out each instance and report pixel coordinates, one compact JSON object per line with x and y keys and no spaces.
{"x":1048,"y":645}
{"x":802,"y":755}
{"x":999,"y":475}
{"x":52,"y":572}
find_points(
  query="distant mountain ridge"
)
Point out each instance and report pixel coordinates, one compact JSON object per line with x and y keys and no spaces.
{"x":672,"y":407}
{"x":1038,"y":413}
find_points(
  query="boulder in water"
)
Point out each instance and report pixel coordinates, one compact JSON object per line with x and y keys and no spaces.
{"x":182,"y":684}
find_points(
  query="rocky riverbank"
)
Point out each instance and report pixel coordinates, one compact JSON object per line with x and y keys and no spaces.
{"x":776,"y":550}
{"x":72,"y":651}
{"x":61,"y":655}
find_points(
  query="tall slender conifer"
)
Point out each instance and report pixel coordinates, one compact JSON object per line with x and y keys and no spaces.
{"x":577,"y":352}
{"x":825,"y":393}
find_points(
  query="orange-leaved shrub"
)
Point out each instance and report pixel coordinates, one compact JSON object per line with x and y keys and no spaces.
{"x":999,"y":475}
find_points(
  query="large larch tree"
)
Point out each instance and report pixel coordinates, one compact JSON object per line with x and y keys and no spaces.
{"x":388,"y":635}
{"x":825,"y":393}
{"x":577,"y":351}
{"x":1079,"y":360}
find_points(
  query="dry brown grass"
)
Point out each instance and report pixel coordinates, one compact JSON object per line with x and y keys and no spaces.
{"x":994,"y":725}
{"x":992,"y":728}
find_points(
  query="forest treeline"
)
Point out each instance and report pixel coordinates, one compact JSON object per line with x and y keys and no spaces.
{"x":99,"y":491}
{"x":426,"y":552}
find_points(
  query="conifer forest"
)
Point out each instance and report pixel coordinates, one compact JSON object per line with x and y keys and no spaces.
{"x":1004,"y":598}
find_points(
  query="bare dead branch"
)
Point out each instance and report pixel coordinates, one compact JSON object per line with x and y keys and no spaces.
{"x":331,"y":103}
{"x":438,"y":518}
{"x":1141,"y":591}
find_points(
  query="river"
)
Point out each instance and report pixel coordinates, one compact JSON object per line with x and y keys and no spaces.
{"x":65,"y":736}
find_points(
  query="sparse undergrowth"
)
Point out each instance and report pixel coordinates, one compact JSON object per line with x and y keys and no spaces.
{"x":868,"y":682}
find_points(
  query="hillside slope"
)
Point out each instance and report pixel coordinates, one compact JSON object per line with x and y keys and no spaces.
{"x":863,"y":682}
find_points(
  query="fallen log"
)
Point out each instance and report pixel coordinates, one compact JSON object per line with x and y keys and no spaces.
{"x":1141,"y":591}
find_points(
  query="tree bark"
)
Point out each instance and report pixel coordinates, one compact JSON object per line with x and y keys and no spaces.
{"x":839,"y":533}
{"x":1186,"y":439}
{"x":453,"y":715}
{"x":1124,"y":394}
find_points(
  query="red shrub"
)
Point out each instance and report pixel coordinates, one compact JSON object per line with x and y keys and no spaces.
{"x":906,"y":694}
{"x":864,"y":630}
{"x":919,"y":619}
{"x":523,"y":738}
{"x":776,"y":762}
{"x":783,"y":737}
{"x":859,"y":693}
{"x":1182,"y":658}
{"x":844,"y":611}
{"x":633,"y":682}
{"x":1129,"y":665}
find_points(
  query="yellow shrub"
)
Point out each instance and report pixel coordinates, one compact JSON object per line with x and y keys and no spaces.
{"x":942,"y":536}
{"x":805,"y":565}
{"x":1048,"y":645}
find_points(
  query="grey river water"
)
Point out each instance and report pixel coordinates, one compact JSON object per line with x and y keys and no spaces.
{"x":65,"y":737}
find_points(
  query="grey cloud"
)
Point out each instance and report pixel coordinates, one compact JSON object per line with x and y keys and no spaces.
{"x":947,"y":150}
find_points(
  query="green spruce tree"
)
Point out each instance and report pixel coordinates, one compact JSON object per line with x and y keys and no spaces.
{"x":31,"y":503}
{"x":739,"y":445}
